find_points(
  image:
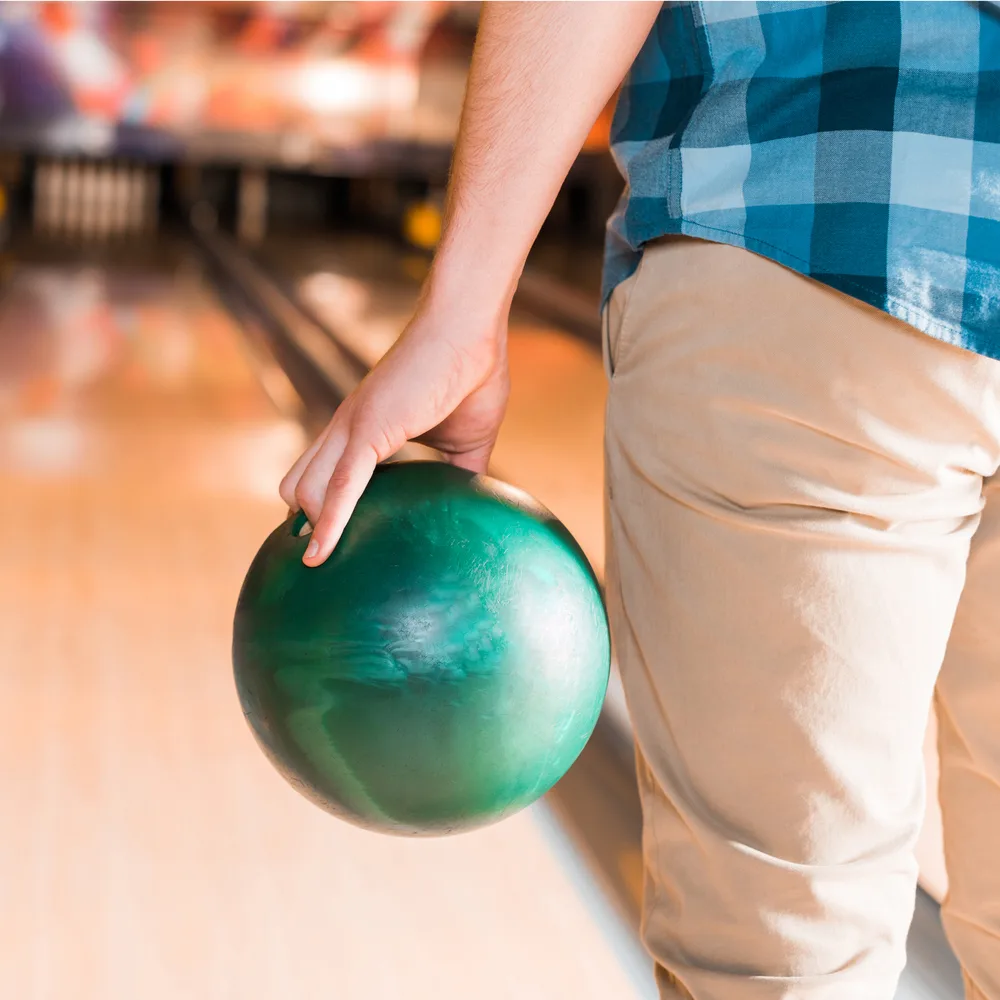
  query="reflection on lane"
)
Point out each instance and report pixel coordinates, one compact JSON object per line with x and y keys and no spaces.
{"x":141,"y":376}
{"x":155,"y":853}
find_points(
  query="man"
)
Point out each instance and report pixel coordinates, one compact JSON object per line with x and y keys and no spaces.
{"x":803,"y":430}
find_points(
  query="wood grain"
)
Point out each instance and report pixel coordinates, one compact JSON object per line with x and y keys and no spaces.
{"x":147,"y":848}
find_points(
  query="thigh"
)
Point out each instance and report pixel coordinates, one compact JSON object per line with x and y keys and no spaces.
{"x":793,"y":482}
{"x":968,"y":710}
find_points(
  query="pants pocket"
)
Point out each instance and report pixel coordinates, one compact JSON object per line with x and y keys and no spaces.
{"x":614,"y":320}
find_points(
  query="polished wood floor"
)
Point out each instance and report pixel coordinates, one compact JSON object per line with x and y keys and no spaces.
{"x":147,"y":850}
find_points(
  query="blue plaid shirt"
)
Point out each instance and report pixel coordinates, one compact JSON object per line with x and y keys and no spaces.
{"x":857,"y":143}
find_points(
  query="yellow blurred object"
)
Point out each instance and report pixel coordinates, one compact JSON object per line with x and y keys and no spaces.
{"x":422,"y":225}
{"x":599,"y":137}
{"x":3,"y":202}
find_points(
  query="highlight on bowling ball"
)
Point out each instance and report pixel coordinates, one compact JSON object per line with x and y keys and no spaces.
{"x":442,"y":670}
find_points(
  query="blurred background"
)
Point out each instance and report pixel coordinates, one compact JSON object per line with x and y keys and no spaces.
{"x":214,"y":219}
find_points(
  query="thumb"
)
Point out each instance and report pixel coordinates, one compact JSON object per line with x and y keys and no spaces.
{"x":476,"y":461}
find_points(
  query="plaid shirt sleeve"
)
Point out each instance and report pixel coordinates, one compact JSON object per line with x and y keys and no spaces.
{"x":857,"y":143}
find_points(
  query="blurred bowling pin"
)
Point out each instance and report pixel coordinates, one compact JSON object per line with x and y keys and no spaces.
{"x":88,"y":199}
{"x":103,"y":208}
{"x":119,"y":200}
{"x":72,"y":199}
{"x":57,"y":196}
{"x":135,"y":200}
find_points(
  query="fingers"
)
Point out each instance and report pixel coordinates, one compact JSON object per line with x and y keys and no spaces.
{"x":348,"y":482}
{"x":288,"y":485}
{"x":312,"y":486}
{"x":328,"y":479}
{"x":425,"y":383}
{"x":476,"y":461}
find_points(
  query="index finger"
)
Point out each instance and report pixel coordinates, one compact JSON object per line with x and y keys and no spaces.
{"x":348,"y":482}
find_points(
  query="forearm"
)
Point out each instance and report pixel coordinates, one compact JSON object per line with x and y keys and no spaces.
{"x":540,"y":75}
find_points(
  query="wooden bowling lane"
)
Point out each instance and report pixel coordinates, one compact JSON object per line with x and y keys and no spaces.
{"x":147,"y":849}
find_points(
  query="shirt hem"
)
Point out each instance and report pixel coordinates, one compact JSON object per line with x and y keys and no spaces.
{"x":920,"y":319}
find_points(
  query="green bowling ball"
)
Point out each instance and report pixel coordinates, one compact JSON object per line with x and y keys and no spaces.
{"x":441,"y":670}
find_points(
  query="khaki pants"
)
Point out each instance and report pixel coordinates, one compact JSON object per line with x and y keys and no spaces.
{"x":804,"y":552}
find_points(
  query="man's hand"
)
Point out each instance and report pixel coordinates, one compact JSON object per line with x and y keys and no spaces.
{"x":540,"y":75}
{"x":442,"y":385}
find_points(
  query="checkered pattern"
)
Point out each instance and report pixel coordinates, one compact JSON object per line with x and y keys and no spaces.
{"x":857,"y":143}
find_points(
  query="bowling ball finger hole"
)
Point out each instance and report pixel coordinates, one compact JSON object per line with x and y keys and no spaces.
{"x":300,"y":524}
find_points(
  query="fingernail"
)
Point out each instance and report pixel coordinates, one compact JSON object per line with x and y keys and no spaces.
{"x":312,"y":549}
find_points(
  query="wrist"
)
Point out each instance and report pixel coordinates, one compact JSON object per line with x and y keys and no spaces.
{"x":470,"y":284}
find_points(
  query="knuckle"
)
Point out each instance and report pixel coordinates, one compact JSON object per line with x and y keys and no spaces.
{"x":369,"y":424}
{"x":286,"y":489}
{"x":340,"y":480}
{"x":364,"y":414}
{"x":304,"y":495}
